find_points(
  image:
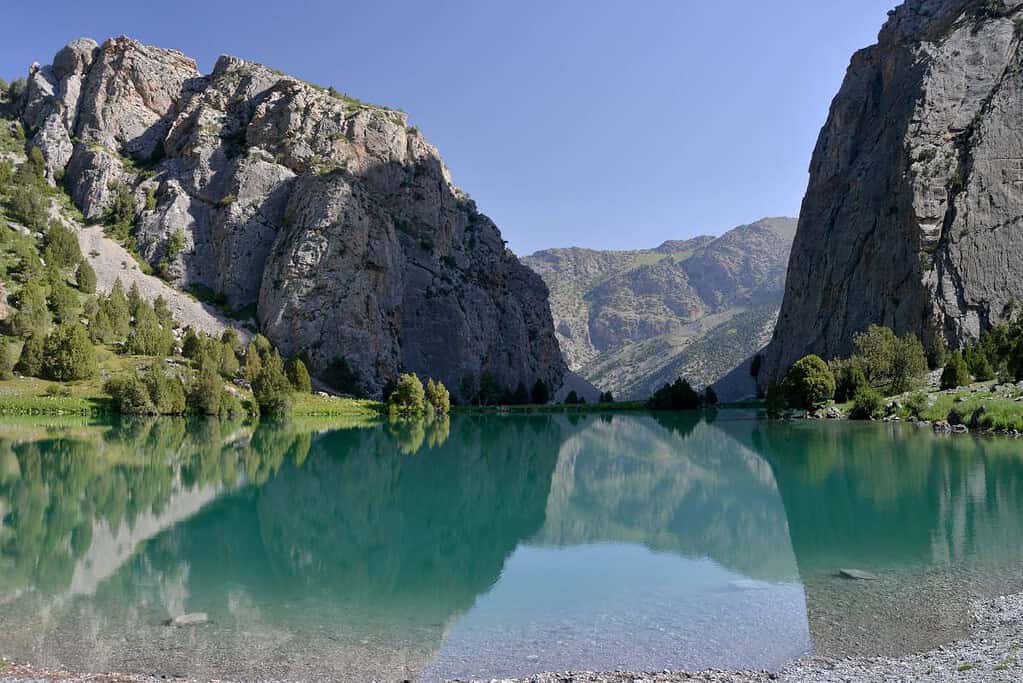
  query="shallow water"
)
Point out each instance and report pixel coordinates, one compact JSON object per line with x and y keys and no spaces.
{"x":494,"y":546}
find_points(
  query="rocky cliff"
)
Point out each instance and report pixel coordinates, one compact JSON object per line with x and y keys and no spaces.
{"x":914,"y":213}
{"x":331,"y":219}
{"x":629,"y":321}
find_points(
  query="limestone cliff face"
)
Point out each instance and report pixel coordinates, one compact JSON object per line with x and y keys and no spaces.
{"x":331,"y":218}
{"x":914,"y":213}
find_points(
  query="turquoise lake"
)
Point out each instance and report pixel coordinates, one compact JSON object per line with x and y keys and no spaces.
{"x":494,"y":546}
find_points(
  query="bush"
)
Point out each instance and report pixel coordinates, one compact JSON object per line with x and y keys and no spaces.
{"x":956,"y":374}
{"x":710,"y":397}
{"x":166,"y":393}
{"x":916,"y":404}
{"x":86,"y":278}
{"x":677,"y":396}
{"x":30,"y":362}
{"x":61,"y":247}
{"x":437,"y":397}
{"x":68,"y":354}
{"x":129,"y":396}
{"x":298,"y":375}
{"x":867,"y":404}
{"x":408,"y":397}
{"x":809,"y":383}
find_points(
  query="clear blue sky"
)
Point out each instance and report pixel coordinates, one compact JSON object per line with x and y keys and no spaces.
{"x":571,"y":122}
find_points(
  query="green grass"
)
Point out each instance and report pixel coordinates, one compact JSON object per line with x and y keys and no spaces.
{"x":999,"y":413}
{"x":314,"y":405}
{"x":965,"y":667}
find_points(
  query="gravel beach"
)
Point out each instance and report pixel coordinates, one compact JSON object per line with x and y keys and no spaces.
{"x":993,"y":652}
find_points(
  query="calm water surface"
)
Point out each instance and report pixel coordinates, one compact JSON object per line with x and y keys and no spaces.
{"x":494,"y":546}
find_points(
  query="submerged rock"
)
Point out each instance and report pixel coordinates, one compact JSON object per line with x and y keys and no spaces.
{"x":190,"y":619}
{"x":857,"y":575}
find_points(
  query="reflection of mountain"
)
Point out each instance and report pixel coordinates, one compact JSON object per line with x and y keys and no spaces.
{"x":679,"y":486}
{"x":940,"y":520}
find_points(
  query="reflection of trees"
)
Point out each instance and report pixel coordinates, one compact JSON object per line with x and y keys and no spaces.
{"x":55,"y":490}
{"x":411,"y":434}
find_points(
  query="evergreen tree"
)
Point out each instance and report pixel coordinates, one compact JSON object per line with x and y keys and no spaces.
{"x":30,"y":363}
{"x":163,"y":312}
{"x":205,"y":394}
{"x":7,"y":359}
{"x":437,"y":397}
{"x":32,"y":316}
{"x":64,"y":301}
{"x":229,"y":365}
{"x":809,"y":383}
{"x":253,"y":362}
{"x":149,"y":338}
{"x":956,"y":374}
{"x":68,"y":354}
{"x":234,"y":340}
{"x":117,"y":309}
{"x":61,"y":249}
{"x":408,"y":397}
{"x":191,"y":344}
{"x":166,"y":393}
{"x":271,"y":388}
{"x":776,"y":401}
{"x":135,"y":300}
{"x":86,"y":278}
{"x":298,"y":375}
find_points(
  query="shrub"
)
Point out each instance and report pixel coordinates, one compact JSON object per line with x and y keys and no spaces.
{"x":437,"y":397}
{"x":7,"y":359}
{"x":677,"y":396}
{"x":408,"y":397}
{"x":956,"y":374}
{"x":166,"y":393}
{"x":231,"y":405}
{"x":68,"y":354}
{"x":298,"y":375}
{"x":867,"y":404}
{"x":129,"y":396}
{"x":86,"y":278}
{"x":61,"y":247}
{"x":916,"y":404}
{"x":541,"y":395}
{"x":809,"y":383}
{"x":30,"y":362}
{"x":271,"y":388}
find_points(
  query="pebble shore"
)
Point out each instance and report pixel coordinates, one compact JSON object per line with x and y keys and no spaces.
{"x":993,"y":652}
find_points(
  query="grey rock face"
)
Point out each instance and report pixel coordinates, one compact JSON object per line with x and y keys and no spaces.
{"x":914,"y":213}
{"x":331,"y":218}
{"x":629,"y":321}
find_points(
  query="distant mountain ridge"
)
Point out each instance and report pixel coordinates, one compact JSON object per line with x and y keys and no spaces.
{"x":628,"y":321}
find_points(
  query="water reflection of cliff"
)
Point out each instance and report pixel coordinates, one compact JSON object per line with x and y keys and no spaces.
{"x":673,"y":484}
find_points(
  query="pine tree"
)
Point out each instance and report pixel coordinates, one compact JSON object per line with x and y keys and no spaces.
{"x":61,"y":249}
{"x":149,"y":338}
{"x":68,"y":354}
{"x":32,"y":316}
{"x":30,"y":363}
{"x":86,"y":278}
{"x":117,"y":309}
{"x":298,"y":375}
{"x":271,"y":388}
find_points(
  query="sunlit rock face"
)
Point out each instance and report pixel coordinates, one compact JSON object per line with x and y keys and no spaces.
{"x":913,"y":217}
{"x":332,"y":220}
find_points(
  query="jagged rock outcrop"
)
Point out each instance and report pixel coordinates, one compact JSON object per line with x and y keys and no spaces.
{"x":630,"y":321}
{"x":334,"y":220}
{"x":914,"y":213}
